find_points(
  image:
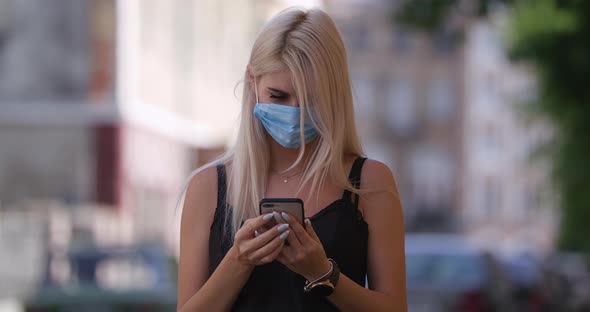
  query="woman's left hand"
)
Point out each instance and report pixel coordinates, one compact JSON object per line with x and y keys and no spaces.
{"x":305,"y":254}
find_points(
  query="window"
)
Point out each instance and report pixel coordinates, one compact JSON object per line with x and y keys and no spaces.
{"x":491,"y":139}
{"x":491,"y":195}
{"x":358,"y":34}
{"x":364,"y":97}
{"x":432,"y":174}
{"x":402,"y":41}
{"x":402,"y":114}
{"x":441,"y":99}
{"x":44,"y":51}
{"x":443,"y":43}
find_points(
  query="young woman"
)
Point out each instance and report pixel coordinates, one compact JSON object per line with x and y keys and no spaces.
{"x":297,"y":138}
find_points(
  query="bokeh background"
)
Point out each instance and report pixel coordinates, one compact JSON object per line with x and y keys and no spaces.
{"x":479,"y":107}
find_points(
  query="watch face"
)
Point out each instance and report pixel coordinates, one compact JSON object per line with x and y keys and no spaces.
{"x":323,"y":290}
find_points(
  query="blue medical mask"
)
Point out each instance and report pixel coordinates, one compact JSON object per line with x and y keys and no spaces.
{"x":283,"y":124}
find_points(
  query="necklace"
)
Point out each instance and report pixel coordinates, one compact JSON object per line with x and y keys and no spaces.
{"x":287,"y":177}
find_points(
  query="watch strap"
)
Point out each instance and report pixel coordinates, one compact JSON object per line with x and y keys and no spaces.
{"x":326,"y":282}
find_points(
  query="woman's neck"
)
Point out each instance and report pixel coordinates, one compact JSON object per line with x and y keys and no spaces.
{"x":282,"y":158}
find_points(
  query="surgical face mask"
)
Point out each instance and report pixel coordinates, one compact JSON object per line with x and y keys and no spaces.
{"x":283,"y":124}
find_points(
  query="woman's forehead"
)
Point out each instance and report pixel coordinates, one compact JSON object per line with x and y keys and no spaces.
{"x":281,"y":80}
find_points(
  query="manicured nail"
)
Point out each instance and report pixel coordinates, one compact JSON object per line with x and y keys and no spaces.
{"x":284,"y":235}
{"x":277,"y":216}
{"x":307,"y":221}
{"x":283,"y":227}
{"x":267,"y":216}
{"x":256,"y":233}
{"x":285,"y":216}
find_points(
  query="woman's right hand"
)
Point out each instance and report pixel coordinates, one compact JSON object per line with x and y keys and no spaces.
{"x":252,"y":249}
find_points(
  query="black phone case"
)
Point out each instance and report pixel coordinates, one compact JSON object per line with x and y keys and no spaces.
{"x":266,"y":201}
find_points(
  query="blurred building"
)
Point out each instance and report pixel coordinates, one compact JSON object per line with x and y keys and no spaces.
{"x":176,"y":79}
{"x":444,"y":115}
{"x":106,"y":107}
{"x":181,"y":64}
{"x":57,"y":106}
{"x":507,"y":202}
{"x":408,"y":90}
{"x":58,"y":134}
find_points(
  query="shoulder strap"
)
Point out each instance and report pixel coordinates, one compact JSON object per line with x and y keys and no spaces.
{"x":355,"y":179}
{"x":221,"y":186}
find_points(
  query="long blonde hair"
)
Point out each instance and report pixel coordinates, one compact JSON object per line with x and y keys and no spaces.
{"x":308,"y":44}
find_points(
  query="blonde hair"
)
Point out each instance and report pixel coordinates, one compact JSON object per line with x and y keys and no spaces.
{"x":308,"y":44}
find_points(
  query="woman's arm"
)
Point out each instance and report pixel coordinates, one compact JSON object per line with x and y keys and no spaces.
{"x":386,"y":260}
{"x":193,"y":269}
{"x":218,"y":292}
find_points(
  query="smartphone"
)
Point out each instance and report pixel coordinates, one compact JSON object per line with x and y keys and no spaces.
{"x":292,"y":206}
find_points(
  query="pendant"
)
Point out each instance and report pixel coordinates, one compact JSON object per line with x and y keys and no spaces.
{"x":285,"y":181}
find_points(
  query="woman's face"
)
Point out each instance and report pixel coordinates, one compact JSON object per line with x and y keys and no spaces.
{"x":277,"y":88}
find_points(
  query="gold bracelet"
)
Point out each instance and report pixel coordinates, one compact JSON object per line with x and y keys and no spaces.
{"x":309,"y":285}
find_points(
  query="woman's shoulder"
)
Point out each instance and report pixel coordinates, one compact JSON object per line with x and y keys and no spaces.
{"x":381,"y":202}
{"x":203,"y":180}
{"x":201,"y":193}
{"x":376,"y":174}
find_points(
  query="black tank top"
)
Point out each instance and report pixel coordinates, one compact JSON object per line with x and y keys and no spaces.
{"x":273,"y":287}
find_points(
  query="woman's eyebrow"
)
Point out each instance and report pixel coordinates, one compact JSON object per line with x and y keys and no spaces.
{"x":278,"y":91}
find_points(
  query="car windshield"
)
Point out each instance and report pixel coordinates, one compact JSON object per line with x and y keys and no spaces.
{"x":444,"y":270}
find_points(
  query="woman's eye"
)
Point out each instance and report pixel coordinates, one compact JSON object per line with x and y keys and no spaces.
{"x":276,"y":96}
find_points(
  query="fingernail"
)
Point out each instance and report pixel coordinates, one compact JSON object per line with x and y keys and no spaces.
{"x":283,"y":227}
{"x":267,"y":216}
{"x":256,"y":233}
{"x":284,"y":235}
{"x":307,"y":221}
{"x":285,"y":216}
{"x":277,"y":216}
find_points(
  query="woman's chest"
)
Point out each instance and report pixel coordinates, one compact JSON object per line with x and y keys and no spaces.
{"x":313,"y":201}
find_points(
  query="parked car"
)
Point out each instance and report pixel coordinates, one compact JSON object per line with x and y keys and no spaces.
{"x":567,"y":280}
{"x":90,"y":279}
{"x":527,"y":289}
{"x":445,"y":273}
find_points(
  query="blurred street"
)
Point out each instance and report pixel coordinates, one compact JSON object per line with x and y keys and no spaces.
{"x":107,"y":106}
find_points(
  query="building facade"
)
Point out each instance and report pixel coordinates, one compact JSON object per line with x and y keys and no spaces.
{"x":446,"y":117}
{"x":507,"y":200}
{"x":408,"y":96}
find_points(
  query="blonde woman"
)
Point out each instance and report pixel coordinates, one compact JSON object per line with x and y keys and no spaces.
{"x":297,"y":138}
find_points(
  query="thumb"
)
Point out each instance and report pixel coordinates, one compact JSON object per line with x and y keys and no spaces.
{"x":310,"y":230}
